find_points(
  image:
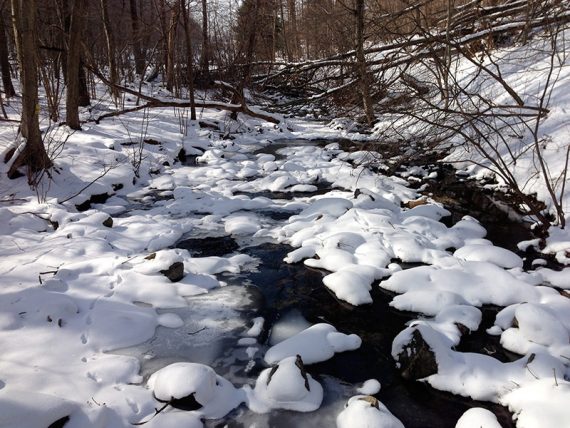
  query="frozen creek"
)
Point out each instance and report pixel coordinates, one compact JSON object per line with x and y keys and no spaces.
{"x":290,"y":297}
{"x":285,"y":248}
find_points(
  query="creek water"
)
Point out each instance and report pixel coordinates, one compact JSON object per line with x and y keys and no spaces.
{"x":291,"y":296}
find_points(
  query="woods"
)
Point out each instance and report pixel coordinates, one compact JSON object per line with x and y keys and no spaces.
{"x":353,"y":58}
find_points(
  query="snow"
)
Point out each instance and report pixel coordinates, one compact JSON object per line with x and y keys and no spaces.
{"x":286,"y":388}
{"x":33,"y":410}
{"x":488,"y":253}
{"x":370,"y":387}
{"x":542,"y":403}
{"x":360,"y":413}
{"x":216,"y":395}
{"x":86,"y":314}
{"x":478,"y":417}
{"x":257,"y":327}
{"x":315,"y":344}
{"x":478,"y":376}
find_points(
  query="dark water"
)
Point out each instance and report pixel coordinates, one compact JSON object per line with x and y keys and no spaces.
{"x":286,"y":287}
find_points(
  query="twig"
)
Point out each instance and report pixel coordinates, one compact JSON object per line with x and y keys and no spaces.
{"x":105,"y":172}
{"x":156,"y":412}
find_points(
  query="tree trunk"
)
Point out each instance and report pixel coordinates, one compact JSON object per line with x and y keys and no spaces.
{"x":4,"y":60}
{"x":294,"y":40}
{"x":136,"y":35}
{"x":364,"y":80}
{"x":34,"y":155}
{"x":238,"y":96}
{"x":84,"y":97}
{"x":171,"y":41}
{"x":205,"y":58}
{"x":74,"y":92}
{"x":189,"y":60}
{"x":113,"y":73}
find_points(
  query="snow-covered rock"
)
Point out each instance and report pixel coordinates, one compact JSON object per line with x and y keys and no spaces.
{"x":477,"y":417}
{"x":212,"y":395}
{"x":317,"y":343}
{"x":364,"y":411}
{"x":285,"y":386}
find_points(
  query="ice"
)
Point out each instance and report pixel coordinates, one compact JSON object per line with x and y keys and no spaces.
{"x":290,"y":324}
{"x":170,"y":320}
{"x":173,"y":418}
{"x":477,"y":417}
{"x":130,"y":325}
{"x":317,"y":343}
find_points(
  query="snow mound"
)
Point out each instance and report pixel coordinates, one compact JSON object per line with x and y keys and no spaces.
{"x":216,"y":396}
{"x":285,"y":386}
{"x":478,"y":417}
{"x":370,"y":387}
{"x":31,"y":409}
{"x":366,"y":412}
{"x":540,"y":404}
{"x":489,"y":253}
{"x":315,"y":344}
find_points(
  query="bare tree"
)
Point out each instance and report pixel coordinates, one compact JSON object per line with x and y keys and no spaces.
{"x":189,"y":57}
{"x":136,"y":39}
{"x":111,"y":51}
{"x":34,"y":155}
{"x":364,"y":80}
{"x":4,"y":59}
{"x":205,"y":58}
{"x":72,"y":100}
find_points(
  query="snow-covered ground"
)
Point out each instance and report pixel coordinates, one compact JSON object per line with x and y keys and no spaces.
{"x":497,"y":144}
{"x":80,"y":290}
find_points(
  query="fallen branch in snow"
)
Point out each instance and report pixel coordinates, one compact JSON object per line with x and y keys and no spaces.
{"x":106,"y":170}
{"x":156,"y":102}
{"x":408,"y":51}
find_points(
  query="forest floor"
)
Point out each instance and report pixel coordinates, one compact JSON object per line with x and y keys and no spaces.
{"x":274,"y":237}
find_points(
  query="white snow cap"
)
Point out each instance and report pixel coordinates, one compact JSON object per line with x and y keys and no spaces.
{"x":216,"y":395}
{"x":370,"y":387}
{"x":540,"y":404}
{"x":286,"y":386}
{"x":364,"y":411}
{"x":489,"y":253}
{"x":478,"y":417}
{"x":315,"y":344}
